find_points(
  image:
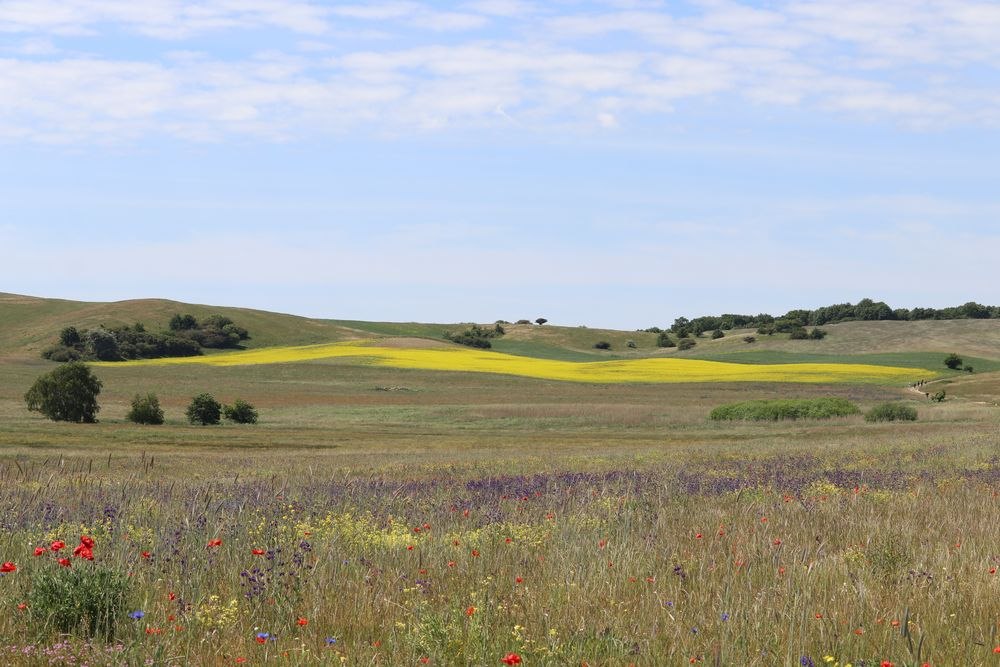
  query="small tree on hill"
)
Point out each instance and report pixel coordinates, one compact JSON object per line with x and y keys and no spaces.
{"x":686,"y":344}
{"x":540,"y":321}
{"x":145,"y":410}
{"x":240,"y":412}
{"x":602,"y":345}
{"x":953,"y":361}
{"x":69,"y":393}
{"x":204,"y":410}
{"x":663,"y":340}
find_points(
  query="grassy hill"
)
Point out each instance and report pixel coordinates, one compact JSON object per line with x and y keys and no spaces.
{"x":29,"y":324}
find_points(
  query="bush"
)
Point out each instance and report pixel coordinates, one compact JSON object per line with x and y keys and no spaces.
{"x":240,"y":412}
{"x":90,"y":600}
{"x":630,"y":343}
{"x":817,"y":334}
{"x":61,"y":353}
{"x":69,"y":393}
{"x":145,"y":410}
{"x":798,"y":333}
{"x":204,"y":410}
{"x":540,"y":321}
{"x":602,"y":345}
{"x":686,"y":344}
{"x":891,"y":412}
{"x":938,"y":397}
{"x":663,"y":340}
{"x":749,"y":340}
{"x":717,"y":334}
{"x":789,"y":408}
{"x":953,"y":361}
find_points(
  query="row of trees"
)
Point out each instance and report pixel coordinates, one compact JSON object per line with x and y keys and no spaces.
{"x":864,"y":310}
{"x":69,"y":393}
{"x":185,"y":337}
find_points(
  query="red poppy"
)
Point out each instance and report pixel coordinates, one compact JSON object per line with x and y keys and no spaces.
{"x":886,"y":663}
{"x":40,"y":551}
{"x":475,"y":553}
{"x":698,"y":536}
{"x":171,"y":596}
{"x":518,"y":580}
{"x":216,"y":542}
{"x":451,"y":563}
{"x":300,"y":621}
{"x":470,"y":611}
{"x":22,"y":605}
{"x":776,"y":542}
{"x":8,"y":567}
{"x":146,"y":555}
{"x":425,"y":660}
{"x":261,"y":640}
{"x":65,"y":562}
{"x":240,"y":661}
{"x":257,"y":552}
{"x":511,"y":659}
{"x":87,"y":541}
{"x":996,"y":649}
{"x":83,"y":552}
{"x":57,"y":545}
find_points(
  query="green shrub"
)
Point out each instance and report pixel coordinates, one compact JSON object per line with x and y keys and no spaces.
{"x":602,"y":345}
{"x":686,"y":344}
{"x":663,"y":340}
{"x":787,"y":408}
{"x":953,"y":361}
{"x":91,"y":600}
{"x":939,"y":397}
{"x":204,"y":410}
{"x":749,"y":340}
{"x":891,"y":412}
{"x":717,"y":334}
{"x":240,"y":412}
{"x":67,"y":394}
{"x":145,"y":410}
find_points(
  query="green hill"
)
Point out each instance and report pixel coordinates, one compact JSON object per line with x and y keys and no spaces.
{"x":30,"y":324}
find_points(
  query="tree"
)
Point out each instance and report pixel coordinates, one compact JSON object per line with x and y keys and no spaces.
{"x":68,"y":393}
{"x":540,"y":321}
{"x":70,"y":337}
{"x":663,"y":340}
{"x":602,"y":345}
{"x":145,"y":410}
{"x":717,"y":334}
{"x":240,"y":412}
{"x":204,"y":410}
{"x":686,"y":344}
{"x":953,"y":361}
{"x":183,"y":322}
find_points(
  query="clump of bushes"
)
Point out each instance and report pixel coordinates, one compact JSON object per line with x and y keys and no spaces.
{"x":664,"y":340}
{"x":686,"y":344}
{"x":185,"y":338}
{"x":891,"y":412}
{"x":786,"y":408}
{"x":204,"y":410}
{"x":476,"y":336}
{"x":145,"y":410}
{"x":602,"y":345}
{"x":240,"y":412}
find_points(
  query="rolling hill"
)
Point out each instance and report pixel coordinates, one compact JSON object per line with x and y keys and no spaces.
{"x":30,"y":324}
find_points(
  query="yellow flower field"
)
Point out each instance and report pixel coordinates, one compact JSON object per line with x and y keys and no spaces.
{"x":656,"y":370}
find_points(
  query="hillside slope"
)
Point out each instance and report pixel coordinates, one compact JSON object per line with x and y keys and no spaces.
{"x":30,"y":324}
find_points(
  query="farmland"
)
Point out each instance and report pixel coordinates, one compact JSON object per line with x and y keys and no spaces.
{"x":422,"y":511}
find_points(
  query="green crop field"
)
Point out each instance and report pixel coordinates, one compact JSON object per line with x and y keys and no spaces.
{"x":381,"y":515}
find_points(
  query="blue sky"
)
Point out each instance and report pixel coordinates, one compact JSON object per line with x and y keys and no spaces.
{"x":609,"y":163}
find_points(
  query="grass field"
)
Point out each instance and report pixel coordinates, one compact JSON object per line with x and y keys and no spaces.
{"x":415,"y":516}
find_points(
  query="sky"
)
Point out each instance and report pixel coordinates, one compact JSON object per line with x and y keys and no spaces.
{"x":596,"y":162}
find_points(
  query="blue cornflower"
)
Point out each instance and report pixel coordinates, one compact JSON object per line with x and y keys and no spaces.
{"x":725,"y":616}
{"x":330,"y":641}
{"x":806,"y":661}
{"x":137,"y":614}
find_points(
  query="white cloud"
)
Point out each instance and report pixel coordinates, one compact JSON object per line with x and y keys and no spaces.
{"x":909,"y":62}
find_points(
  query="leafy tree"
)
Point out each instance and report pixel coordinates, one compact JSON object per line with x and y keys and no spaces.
{"x":817,"y":334}
{"x":145,"y":410}
{"x":204,"y":410}
{"x":68,"y":393}
{"x":717,"y":334}
{"x":102,"y":345}
{"x":602,"y":345}
{"x":540,"y":321}
{"x":663,"y":340}
{"x":240,"y":412}
{"x":70,"y":337}
{"x":953,"y":361}
{"x":686,"y":344}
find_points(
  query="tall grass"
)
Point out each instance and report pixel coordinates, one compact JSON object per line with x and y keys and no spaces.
{"x":724,"y":561}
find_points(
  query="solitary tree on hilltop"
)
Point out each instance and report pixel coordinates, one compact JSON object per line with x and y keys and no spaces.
{"x":540,"y":321}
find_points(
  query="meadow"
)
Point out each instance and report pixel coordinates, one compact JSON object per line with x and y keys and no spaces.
{"x":405,"y":516}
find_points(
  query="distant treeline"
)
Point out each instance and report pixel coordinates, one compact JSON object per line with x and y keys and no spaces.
{"x":795,"y":320}
{"x":185,"y":338}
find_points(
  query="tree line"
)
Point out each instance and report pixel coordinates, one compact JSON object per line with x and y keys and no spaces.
{"x":795,"y":320}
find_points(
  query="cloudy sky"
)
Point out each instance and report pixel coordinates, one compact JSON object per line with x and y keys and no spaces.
{"x":596,"y":162}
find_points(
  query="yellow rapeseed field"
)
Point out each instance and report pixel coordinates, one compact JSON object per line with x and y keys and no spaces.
{"x":655,"y":370}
